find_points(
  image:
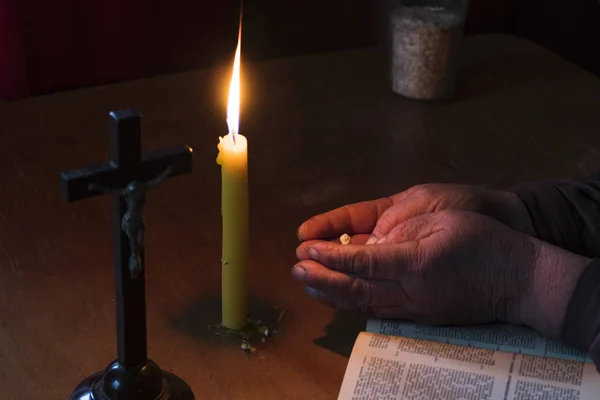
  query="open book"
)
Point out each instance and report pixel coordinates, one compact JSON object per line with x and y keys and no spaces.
{"x":402,"y":360}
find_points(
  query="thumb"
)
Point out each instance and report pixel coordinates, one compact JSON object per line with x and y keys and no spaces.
{"x":399,"y":213}
{"x":368,"y":262}
{"x":413,"y":229}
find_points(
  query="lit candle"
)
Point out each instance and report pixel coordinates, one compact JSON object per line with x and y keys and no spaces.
{"x":233,"y":158}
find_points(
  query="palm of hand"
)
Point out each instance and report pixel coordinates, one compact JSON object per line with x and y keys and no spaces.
{"x":466,"y":268}
{"x":443,"y":254}
{"x":446,"y":267}
{"x":422,"y":199}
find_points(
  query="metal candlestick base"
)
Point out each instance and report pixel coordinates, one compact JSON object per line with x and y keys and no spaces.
{"x":146,"y":383}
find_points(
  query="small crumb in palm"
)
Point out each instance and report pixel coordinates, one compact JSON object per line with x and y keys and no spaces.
{"x":345,"y":239}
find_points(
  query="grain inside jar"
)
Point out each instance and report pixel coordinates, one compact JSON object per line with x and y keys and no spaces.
{"x":425,"y":41}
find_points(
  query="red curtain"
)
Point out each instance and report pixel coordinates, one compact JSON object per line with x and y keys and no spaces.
{"x":51,"y":45}
{"x":61,"y":44}
{"x":13,"y":77}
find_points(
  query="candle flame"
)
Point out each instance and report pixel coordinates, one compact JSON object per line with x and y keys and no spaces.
{"x":233,"y":105}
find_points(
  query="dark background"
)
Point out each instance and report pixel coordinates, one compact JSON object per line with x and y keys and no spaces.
{"x":47,"y":46}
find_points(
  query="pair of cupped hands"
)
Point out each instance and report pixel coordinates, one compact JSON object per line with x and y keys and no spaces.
{"x":439,"y":254}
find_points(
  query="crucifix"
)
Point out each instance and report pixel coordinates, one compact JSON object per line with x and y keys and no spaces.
{"x":128,"y":176}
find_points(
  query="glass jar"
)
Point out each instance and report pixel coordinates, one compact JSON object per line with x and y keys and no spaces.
{"x":424,"y":40}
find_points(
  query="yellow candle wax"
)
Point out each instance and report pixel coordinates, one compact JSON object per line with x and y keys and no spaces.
{"x":233,"y":158}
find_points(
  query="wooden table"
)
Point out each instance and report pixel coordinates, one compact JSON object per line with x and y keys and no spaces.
{"x":323,"y":131}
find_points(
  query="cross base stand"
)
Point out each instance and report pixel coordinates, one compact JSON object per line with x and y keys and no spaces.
{"x":146,"y":383}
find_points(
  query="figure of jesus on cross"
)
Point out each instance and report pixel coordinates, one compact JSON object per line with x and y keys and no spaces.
{"x":132,"y":222}
{"x":127,"y":177}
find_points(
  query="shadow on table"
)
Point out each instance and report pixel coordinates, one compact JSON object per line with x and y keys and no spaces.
{"x":201,"y":318}
{"x":341,"y":333}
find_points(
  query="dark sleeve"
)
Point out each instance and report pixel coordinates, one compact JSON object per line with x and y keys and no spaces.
{"x":581,"y":327}
{"x":565,"y":213}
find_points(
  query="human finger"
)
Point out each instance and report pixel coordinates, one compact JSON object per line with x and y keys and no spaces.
{"x":414,"y":229}
{"x":334,"y":283}
{"x":369,"y":262}
{"x":359,"y":239}
{"x":351,"y":219}
{"x":409,"y":207}
{"x":302,"y":249}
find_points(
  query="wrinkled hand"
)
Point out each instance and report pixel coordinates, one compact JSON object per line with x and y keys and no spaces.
{"x":443,"y":267}
{"x":378,"y":217}
{"x":447,"y":267}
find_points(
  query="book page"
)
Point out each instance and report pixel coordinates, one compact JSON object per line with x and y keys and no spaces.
{"x":503,"y":337}
{"x":385,"y":367}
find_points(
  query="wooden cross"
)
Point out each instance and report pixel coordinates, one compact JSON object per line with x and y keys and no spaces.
{"x":127,"y":176}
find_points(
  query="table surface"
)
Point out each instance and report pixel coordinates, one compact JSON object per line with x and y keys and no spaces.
{"x":323,"y":130}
